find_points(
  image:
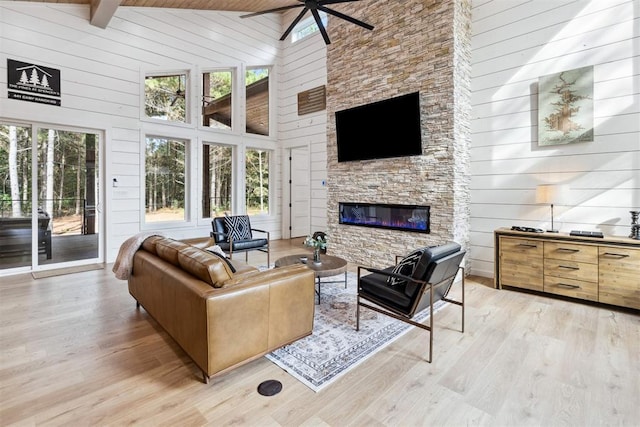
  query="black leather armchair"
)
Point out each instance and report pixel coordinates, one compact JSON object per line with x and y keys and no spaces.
{"x":430,"y":281}
{"x":234,"y":234}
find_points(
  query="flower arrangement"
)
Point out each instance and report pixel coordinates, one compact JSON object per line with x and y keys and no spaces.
{"x":317,"y":243}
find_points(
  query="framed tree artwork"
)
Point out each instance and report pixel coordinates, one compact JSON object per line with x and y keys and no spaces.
{"x":565,"y":107}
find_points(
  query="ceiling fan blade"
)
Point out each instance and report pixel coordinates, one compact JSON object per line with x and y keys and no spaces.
{"x":345,"y":17}
{"x":277,"y":9}
{"x":323,"y":2}
{"x":294,"y":23}
{"x":323,"y":31}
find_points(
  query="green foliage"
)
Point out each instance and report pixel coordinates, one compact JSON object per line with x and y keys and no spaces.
{"x":220,"y":84}
{"x":217,"y":191}
{"x":165,"y":173}
{"x":317,"y":243}
{"x":255,"y":74}
{"x":69,"y":169}
{"x":164,"y":97}
{"x":257,"y":180}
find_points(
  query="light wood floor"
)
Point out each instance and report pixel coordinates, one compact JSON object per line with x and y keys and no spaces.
{"x":75,"y":351}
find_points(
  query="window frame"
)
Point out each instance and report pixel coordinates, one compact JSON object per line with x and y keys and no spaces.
{"x":271,"y":181}
{"x":236,"y":99}
{"x":234,"y":177}
{"x":307,"y":23}
{"x":188,"y":99}
{"x":271,"y":90}
{"x":188,"y":190}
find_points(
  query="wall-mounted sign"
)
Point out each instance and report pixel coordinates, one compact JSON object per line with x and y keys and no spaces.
{"x":33,"y":83}
{"x":312,"y":100}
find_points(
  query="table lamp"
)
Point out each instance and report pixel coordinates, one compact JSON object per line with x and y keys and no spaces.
{"x":546,"y":193}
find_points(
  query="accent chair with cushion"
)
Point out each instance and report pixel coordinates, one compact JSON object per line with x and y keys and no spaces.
{"x":234,"y":233}
{"x":420,"y":279}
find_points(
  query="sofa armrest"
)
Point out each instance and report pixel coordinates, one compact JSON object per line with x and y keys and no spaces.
{"x":265,"y":312}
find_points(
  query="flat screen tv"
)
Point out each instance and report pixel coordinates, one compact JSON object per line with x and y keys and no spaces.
{"x":383,"y":129}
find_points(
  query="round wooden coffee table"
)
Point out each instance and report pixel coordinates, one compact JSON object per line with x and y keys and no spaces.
{"x":329,"y":266}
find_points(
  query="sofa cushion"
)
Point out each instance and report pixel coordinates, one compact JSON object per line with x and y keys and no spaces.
{"x":149,"y":244}
{"x":204,"y":265}
{"x":168,"y":249}
{"x":405,"y":267}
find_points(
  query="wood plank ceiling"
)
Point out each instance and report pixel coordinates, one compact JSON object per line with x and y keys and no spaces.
{"x":225,"y":5}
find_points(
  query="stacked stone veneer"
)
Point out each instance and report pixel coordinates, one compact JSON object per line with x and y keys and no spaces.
{"x":417,"y":45}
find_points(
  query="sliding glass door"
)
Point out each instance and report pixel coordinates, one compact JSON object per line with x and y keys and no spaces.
{"x":49,"y":196}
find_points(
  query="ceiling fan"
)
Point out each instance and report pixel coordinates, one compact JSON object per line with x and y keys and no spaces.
{"x":179,"y":93}
{"x":314,"y":6}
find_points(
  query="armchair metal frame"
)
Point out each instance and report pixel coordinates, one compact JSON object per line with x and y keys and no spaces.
{"x":426,"y":289}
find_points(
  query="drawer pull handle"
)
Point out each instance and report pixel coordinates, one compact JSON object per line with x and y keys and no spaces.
{"x":568,"y":250}
{"x":615,"y":254}
{"x":566,"y":285}
{"x":525,"y":245}
{"x":568,"y":267}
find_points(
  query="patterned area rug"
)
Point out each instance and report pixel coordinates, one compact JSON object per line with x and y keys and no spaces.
{"x":335,"y":346}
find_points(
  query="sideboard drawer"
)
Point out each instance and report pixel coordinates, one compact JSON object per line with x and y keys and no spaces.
{"x":619,"y":276}
{"x":571,"y":270}
{"x":521,"y":263}
{"x":571,"y":288}
{"x":571,"y":252}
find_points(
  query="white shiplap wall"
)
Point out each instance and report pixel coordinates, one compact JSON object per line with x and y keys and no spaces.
{"x":513,"y":43}
{"x":303,"y":67}
{"x":101,"y":73}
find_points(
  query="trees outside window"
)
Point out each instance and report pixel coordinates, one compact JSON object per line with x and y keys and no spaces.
{"x":165,"y":185}
{"x":221,"y":170}
{"x":15,"y":171}
{"x":257,"y":99}
{"x":217,"y":99}
{"x":165,"y":97}
{"x":257,"y":181}
{"x":54,"y":175}
{"x":217,"y":167}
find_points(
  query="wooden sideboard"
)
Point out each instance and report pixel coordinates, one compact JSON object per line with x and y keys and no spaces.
{"x":605,"y":270}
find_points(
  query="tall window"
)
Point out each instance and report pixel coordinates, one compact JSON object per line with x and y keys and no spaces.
{"x":165,"y":186}
{"x":257,"y":181}
{"x":257,"y":84}
{"x":217,"y":96}
{"x":217,"y":164}
{"x":165,"y":97}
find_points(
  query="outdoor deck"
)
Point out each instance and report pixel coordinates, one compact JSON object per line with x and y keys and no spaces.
{"x":64,"y":248}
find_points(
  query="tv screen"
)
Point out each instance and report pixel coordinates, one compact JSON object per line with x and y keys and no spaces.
{"x":383,"y":129}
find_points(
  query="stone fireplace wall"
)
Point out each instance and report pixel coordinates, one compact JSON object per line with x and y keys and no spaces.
{"x":417,"y":45}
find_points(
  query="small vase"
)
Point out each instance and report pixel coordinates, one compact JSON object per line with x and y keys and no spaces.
{"x":316,"y":256}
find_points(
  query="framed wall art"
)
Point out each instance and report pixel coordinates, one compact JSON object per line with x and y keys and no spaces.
{"x":565,"y":107}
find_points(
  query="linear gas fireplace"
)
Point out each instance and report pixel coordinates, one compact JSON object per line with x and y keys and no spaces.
{"x":378,"y":215}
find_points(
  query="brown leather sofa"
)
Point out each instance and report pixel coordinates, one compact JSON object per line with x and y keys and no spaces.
{"x":221,"y":318}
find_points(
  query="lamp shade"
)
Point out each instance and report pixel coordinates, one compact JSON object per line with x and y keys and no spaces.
{"x":546,"y":193}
